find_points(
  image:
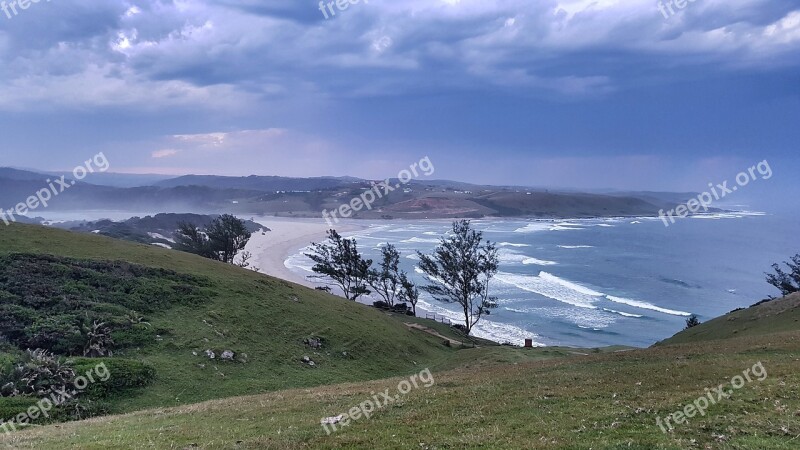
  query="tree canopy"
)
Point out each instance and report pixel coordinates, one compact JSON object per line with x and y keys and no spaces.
{"x":459,"y":271}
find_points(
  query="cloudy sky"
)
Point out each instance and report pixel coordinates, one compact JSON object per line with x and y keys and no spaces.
{"x":570,"y":93}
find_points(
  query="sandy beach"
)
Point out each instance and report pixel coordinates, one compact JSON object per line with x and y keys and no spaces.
{"x":271,"y":248}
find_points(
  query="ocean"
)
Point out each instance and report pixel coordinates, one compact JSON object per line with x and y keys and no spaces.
{"x":599,"y":282}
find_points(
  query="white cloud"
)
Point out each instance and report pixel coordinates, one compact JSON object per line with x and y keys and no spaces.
{"x":166,"y":153}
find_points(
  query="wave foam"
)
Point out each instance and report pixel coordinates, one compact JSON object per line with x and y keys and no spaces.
{"x":506,"y":256}
{"x":511,"y":244}
{"x":538,"y":262}
{"x":533,"y":227}
{"x":552,"y":287}
{"x":645,"y":305}
{"x":624,"y":314}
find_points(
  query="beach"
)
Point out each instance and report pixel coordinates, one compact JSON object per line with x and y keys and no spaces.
{"x":271,"y":248}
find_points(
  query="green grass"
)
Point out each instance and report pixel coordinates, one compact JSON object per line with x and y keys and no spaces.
{"x":600,"y":401}
{"x":264,"y":318}
{"x":489,"y":397}
{"x":769,"y":317}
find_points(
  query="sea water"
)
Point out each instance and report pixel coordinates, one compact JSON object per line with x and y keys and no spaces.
{"x":598,"y":282}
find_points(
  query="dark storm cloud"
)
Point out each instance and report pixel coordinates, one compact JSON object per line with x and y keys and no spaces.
{"x":513,"y":78}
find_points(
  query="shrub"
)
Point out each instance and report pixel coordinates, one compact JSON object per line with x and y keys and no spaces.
{"x":37,"y":374}
{"x":53,"y":302}
{"x":124,"y":374}
{"x":692,"y":322}
{"x":10,"y":407}
{"x":380,"y":304}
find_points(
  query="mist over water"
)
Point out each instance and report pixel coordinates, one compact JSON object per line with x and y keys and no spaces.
{"x":602,"y":282}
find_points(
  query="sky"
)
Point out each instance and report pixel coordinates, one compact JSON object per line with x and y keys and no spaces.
{"x":604,"y":94}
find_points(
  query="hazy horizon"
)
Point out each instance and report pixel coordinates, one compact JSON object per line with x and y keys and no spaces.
{"x":563,"y":94}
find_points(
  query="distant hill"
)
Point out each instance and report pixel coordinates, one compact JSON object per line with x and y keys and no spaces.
{"x":308,"y":197}
{"x":261,"y":183}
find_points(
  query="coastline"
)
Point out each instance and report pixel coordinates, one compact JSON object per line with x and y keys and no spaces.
{"x":270,"y":249}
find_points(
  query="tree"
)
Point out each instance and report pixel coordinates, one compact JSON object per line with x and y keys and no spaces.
{"x":221,"y":240}
{"x":190,"y":239}
{"x":408,"y":292}
{"x":787,"y":283}
{"x":385,"y":280}
{"x":459,"y":271}
{"x":692,"y":321}
{"x":339,"y":262}
{"x":228,"y":236}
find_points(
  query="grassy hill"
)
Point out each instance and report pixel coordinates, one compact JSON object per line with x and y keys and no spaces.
{"x":768,"y":317}
{"x":487,"y":397}
{"x":600,"y":401}
{"x":264,"y":321}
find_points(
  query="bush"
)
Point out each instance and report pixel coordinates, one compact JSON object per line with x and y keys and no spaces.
{"x":37,"y":374}
{"x":10,"y":407}
{"x":460,"y":327}
{"x":381,"y":305}
{"x":692,"y":322}
{"x":76,"y":307}
{"x":401,"y":307}
{"x":123,"y":375}
{"x":137,"y":335}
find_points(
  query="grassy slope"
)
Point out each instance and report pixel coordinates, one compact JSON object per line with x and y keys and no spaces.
{"x":606,"y":400}
{"x":770,"y":317}
{"x":491,"y":397}
{"x":263,"y":317}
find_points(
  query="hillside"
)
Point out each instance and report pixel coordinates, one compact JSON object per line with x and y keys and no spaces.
{"x":486,"y":397}
{"x":168,"y":308}
{"x":767,"y":317}
{"x":601,"y":401}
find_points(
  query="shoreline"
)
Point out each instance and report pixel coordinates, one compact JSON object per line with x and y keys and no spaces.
{"x":271,"y":249}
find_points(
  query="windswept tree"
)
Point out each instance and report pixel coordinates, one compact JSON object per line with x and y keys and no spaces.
{"x":408,"y":292}
{"x":339,"y":263}
{"x":228,"y":236}
{"x":191,"y":239}
{"x":385,"y":280}
{"x":459,"y":271}
{"x":221,"y":240}
{"x":787,"y":283}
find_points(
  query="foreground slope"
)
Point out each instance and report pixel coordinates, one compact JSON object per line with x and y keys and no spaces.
{"x":590,"y":400}
{"x":596,"y":401}
{"x":265,"y":320}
